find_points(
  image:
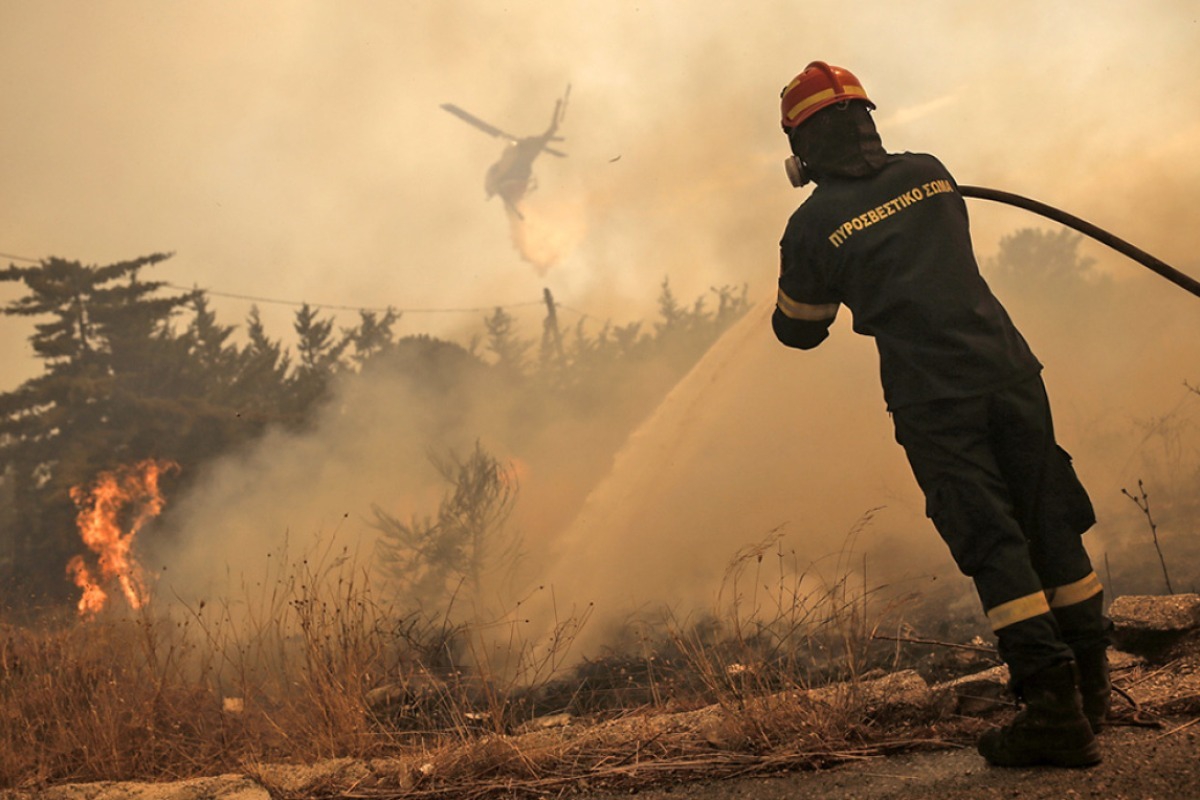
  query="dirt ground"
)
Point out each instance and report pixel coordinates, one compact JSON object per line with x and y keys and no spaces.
{"x":1139,"y":764}
{"x":1158,"y":759}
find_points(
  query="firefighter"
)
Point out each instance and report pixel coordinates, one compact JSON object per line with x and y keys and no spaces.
{"x":887,"y":236}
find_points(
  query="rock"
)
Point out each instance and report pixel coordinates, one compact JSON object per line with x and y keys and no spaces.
{"x":1174,"y":613}
{"x":410,"y":690}
{"x":724,"y":732}
{"x":546,"y":722}
{"x":386,"y":696}
{"x":223,"y":787}
{"x":1120,"y":661}
{"x":304,"y":779}
{"x":977,"y":693}
{"x":1152,"y":622}
{"x":901,"y":694}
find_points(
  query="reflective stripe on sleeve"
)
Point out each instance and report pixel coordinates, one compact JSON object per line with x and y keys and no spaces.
{"x":805,"y":311}
{"x":1019,"y":610}
{"x":1075,"y":592}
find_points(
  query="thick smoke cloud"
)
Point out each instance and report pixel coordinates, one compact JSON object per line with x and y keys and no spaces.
{"x":301,"y":154}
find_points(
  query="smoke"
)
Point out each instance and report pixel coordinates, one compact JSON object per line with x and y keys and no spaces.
{"x":545,"y":235}
{"x":755,"y":440}
{"x":301,"y":155}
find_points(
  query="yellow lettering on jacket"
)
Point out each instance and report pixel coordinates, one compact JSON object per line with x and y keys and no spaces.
{"x":881,"y":212}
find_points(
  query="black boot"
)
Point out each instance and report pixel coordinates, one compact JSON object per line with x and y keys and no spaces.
{"x":1051,"y":729}
{"x":1094,"y":685}
{"x":1088,"y":633}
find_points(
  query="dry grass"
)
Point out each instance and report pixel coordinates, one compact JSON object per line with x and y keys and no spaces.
{"x":310,"y":666}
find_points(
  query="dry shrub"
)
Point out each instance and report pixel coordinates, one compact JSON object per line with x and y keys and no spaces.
{"x":778,"y":624}
{"x":309,"y":667}
{"x":307,"y":664}
{"x":107,"y":698}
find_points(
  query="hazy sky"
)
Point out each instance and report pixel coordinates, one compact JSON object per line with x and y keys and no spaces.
{"x":296,"y":150}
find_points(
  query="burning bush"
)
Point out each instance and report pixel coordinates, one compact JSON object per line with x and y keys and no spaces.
{"x":112,"y":509}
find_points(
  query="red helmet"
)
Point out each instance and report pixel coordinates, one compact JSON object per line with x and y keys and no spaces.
{"x":818,"y":86}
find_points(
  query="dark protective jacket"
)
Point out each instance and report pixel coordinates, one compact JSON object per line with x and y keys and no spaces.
{"x":895,"y":248}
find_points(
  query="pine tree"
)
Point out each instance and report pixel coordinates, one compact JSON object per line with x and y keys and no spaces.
{"x":372,"y":336}
{"x":91,"y":407}
{"x":672,"y":313}
{"x":262,"y":375}
{"x":504,"y":343}
{"x":211,"y":357}
{"x":430,"y":558}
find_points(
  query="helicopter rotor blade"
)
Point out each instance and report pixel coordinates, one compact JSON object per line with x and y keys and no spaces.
{"x":471,"y":119}
{"x":562,"y":113}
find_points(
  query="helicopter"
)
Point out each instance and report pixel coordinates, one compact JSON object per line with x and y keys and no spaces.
{"x":511,"y":177}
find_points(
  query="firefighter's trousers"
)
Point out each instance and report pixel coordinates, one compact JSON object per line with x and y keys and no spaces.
{"x":1006,"y":500}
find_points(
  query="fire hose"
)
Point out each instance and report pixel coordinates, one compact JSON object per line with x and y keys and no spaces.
{"x":1099,"y":234}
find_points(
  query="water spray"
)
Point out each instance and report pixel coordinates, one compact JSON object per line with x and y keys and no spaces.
{"x":1088,"y":229}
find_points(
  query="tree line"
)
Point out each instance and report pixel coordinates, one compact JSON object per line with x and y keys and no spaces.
{"x":132,"y":371}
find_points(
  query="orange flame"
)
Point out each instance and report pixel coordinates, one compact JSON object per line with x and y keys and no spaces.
{"x":101,"y":506}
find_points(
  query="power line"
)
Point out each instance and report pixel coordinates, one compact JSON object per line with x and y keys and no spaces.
{"x":331,"y":306}
{"x":21,"y":258}
{"x":335,"y":307}
{"x":583,"y":314}
{"x":328,"y":306}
